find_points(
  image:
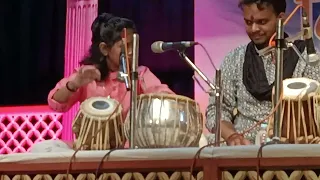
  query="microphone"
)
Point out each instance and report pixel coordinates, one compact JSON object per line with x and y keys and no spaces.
{"x":313,"y":58}
{"x":123,"y":72}
{"x":160,"y":46}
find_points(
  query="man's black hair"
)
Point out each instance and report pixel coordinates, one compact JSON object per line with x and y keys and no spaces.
{"x":279,"y":6}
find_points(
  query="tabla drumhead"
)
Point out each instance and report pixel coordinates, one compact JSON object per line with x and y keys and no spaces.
{"x":294,"y":88}
{"x":99,"y":106}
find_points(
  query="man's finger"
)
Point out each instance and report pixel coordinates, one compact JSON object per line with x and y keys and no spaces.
{"x":231,"y":143}
{"x":246,"y":142}
{"x":237,"y":142}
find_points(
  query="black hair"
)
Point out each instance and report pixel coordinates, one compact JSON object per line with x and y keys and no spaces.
{"x":279,"y":6}
{"x":105,"y":28}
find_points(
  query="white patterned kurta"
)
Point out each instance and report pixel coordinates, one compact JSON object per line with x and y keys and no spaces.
{"x":250,"y":110}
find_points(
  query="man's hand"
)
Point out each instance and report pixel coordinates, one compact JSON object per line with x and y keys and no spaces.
{"x":237,"y":140}
{"x":231,"y":136}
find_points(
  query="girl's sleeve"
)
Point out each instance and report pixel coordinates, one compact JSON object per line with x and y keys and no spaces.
{"x":150,"y":83}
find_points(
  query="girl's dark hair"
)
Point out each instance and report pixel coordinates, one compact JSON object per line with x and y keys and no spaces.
{"x":105,"y":28}
{"x":279,"y":6}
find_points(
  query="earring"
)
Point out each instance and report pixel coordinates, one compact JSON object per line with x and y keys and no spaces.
{"x":103,"y":58}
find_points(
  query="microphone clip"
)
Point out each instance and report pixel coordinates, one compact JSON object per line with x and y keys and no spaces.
{"x":123,"y":74}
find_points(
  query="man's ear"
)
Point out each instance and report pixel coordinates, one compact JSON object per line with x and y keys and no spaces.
{"x":104,"y":48}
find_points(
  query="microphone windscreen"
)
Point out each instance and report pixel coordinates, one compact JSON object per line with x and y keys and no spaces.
{"x":156,"y":47}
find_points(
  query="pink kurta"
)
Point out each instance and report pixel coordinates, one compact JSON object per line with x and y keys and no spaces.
{"x":147,"y":83}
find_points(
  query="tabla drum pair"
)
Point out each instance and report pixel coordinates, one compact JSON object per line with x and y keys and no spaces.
{"x":299,"y":122}
{"x":163,"y":120}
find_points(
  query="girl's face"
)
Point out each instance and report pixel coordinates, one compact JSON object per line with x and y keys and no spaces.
{"x":113,"y":53}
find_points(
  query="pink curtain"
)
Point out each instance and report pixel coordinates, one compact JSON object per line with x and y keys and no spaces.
{"x":80,"y":15}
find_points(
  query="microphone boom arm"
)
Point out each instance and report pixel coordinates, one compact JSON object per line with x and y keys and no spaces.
{"x":196,"y":69}
{"x":289,"y":44}
{"x":296,"y":50}
{"x":217,"y":88}
{"x":288,"y":41}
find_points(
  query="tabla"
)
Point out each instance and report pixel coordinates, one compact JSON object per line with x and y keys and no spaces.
{"x":298,"y":122}
{"x":165,"y":120}
{"x":92,"y":117}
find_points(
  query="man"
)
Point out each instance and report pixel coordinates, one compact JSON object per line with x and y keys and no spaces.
{"x":248,"y":78}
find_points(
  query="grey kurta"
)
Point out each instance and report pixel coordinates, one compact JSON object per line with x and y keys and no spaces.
{"x":250,"y":110}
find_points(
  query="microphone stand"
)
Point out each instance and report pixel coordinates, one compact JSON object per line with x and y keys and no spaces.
{"x":218,"y":99}
{"x":280,"y":46}
{"x":217,"y":88}
{"x":134,"y":90}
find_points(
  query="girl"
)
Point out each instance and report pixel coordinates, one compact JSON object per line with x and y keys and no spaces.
{"x":98,"y":73}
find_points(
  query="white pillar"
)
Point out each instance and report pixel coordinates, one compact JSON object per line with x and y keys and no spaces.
{"x":80,"y":15}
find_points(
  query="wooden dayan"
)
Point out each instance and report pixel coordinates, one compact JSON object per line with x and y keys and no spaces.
{"x":299,"y":123}
{"x":94,"y":115}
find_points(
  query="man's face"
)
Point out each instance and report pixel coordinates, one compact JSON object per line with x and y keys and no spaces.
{"x":260,"y":23}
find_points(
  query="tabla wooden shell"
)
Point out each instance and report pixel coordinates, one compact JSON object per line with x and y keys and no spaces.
{"x":298,"y":122}
{"x":165,"y":120}
{"x":92,"y":127}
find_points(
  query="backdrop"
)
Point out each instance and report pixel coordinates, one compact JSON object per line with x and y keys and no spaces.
{"x":32,"y":38}
{"x":224,"y":31}
{"x":32,"y":43}
{"x":160,"y":20}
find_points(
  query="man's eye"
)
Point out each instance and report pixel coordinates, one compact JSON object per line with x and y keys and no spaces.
{"x":249,"y":22}
{"x":262,"y":22}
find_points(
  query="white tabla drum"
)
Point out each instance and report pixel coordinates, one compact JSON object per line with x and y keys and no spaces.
{"x":298,"y":121}
{"x":94,"y":127}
